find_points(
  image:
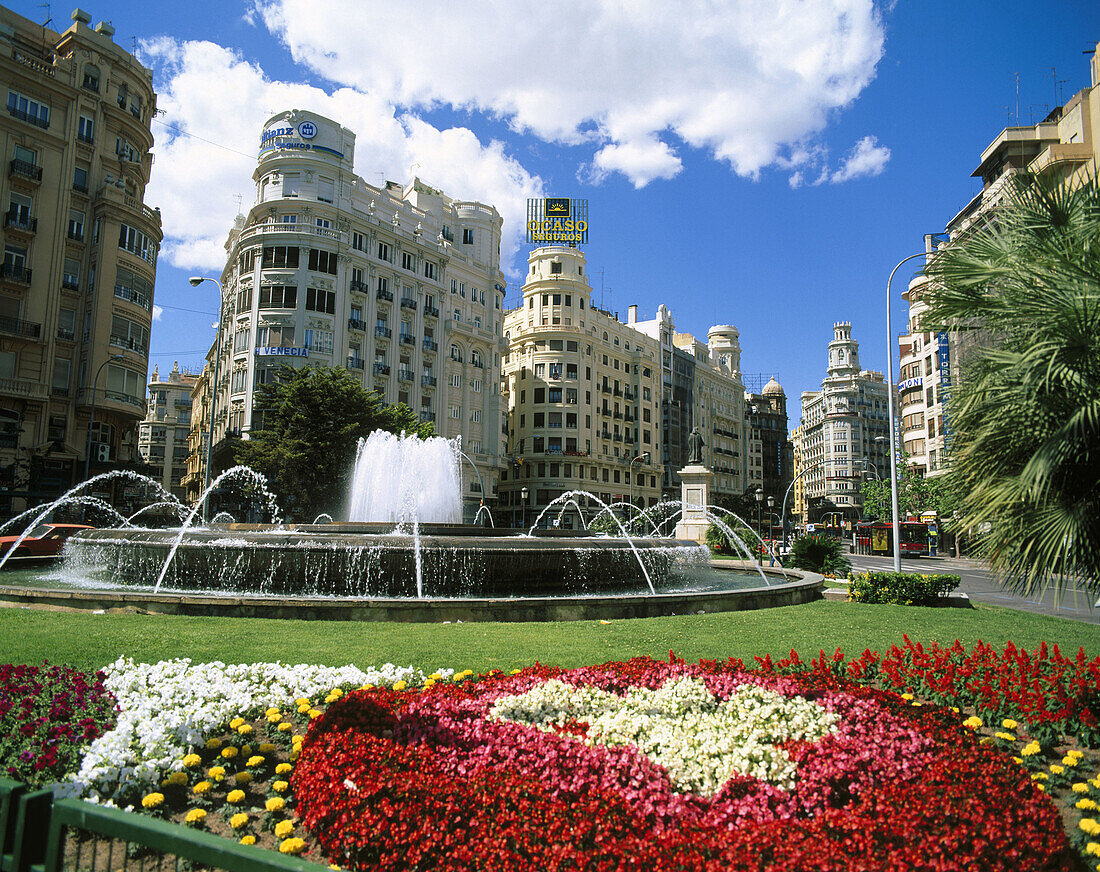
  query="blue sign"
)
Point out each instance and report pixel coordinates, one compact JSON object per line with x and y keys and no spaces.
{"x":910,"y":383}
{"x":270,"y":350}
{"x":307,"y":130}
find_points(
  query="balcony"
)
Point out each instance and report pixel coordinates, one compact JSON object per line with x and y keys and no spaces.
{"x":405,"y":375}
{"x":383,"y":332}
{"x":430,"y":345}
{"x":407,"y":339}
{"x":431,"y":311}
{"x":14,"y":274}
{"x":427,"y":381}
{"x":28,"y":172}
{"x":129,"y":344}
{"x":358,"y":287}
{"x":356,"y":363}
{"x":133,"y":296}
{"x":67,"y":335}
{"x":37,"y":121}
{"x":386,"y":296}
{"x":408,"y":303}
{"x":381,"y":369}
{"x":21,"y":223}
{"x":19,"y":327}
{"x":356,"y":324}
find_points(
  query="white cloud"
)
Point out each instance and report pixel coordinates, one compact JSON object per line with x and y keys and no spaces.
{"x":214,"y":95}
{"x":868,"y":158}
{"x":158,"y":312}
{"x":746,"y":80}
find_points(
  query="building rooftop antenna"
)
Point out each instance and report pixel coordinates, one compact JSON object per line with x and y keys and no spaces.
{"x":240,"y":200}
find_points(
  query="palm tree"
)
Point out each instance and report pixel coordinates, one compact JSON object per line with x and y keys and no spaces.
{"x":1025,"y":449}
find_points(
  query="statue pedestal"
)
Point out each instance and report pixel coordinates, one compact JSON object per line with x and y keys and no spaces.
{"x":695,"y":496}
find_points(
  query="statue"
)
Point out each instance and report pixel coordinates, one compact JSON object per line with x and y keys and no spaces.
{"x":695,"y":448}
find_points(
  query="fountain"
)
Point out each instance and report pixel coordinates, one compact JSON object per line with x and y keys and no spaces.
{"x":403,"y":555}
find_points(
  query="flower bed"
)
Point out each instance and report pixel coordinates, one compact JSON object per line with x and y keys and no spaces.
{"x":665,"y":765}
{"x":48,"y":715}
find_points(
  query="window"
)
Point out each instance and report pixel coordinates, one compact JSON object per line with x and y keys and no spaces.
{"x":76,"y":225}
{"x":244,"y":300}
{"x":322,"y":224}
{"x":326,"y":189}
{"x":70,"y":274}
{"x":475,"y":386}
{"x":555,"y":269}
{"x":80,"y":179}
{"x":540,"y":395}
{"x":383,"y":251}
{"x":456,"y":381}
{"x":475,"y":416}
{"x":457,"y":315}
{"x":124,"y":150}
{"x":292,"y":184}
{"x":429,"y":269}
{"x":456,"y":353}
{"x":91,"y":77}
{"x":475,"y":358}
{"x":467,"y":236}
{"x":26,"y":109}
{"x":134,"y":287}
{"x":133,"y":240}
{"x":85,"y":129}
{"x":240,"y":340}
{"x":61,"y":367}
{"x":554,"y":395}
{"x":319,"y":341}
{"x":278,"y":296}
{"x":407,"y":261}
{"x":280,"y":257}
{"x":275,"y":336}
{"x":358,"y":241}
{"x":318,"y":300}
{"x":322,"y":261}
{"x":477,"y":321}
{"x":237,"y":381}
{"x":129,"y":334}
{"x":455,"y":412}
{"x":288,"y":219}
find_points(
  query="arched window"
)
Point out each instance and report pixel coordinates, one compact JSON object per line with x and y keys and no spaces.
{"x":605,"y":336}
{"x":456,"y":353}
{"x":91,"y":77}
{"x":475,"y":358}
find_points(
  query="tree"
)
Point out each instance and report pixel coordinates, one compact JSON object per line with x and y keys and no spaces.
{"x":916,"y":495}
{"x":310,"y":421}
{"x":1026,"y":415}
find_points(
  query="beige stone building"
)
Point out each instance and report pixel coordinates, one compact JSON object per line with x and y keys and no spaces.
{"x":163,"y":435}
{"x":399,"y":283}
{"x":583,"y":395}
{"x":80,"y":254}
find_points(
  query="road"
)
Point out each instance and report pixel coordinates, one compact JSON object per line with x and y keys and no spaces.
{"x":981,"y":585}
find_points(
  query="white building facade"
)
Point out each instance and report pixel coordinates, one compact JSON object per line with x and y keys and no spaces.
{"x":163,"y":435}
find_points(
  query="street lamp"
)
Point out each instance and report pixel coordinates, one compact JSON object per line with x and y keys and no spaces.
{"x":523,"y":494}
{"x":771,"y":505}
{"x":195,"y":282}
{"x":890,"y":408}
{"x":790,"y":487}
{"x":759,"y":509}
{"x":91,"y":415}
{"x":630,"y":484}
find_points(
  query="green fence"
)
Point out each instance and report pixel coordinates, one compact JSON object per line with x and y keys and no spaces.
{"x":41,"y":834}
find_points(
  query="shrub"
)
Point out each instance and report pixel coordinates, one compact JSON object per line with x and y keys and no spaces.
{"x":720,"y":543}
{"x":819,"y":553}
{"x":900,"y":588}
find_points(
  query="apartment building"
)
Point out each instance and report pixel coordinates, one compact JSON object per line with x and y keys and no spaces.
{"x":583,"y":393}
{"x":1066,"y":143}
{"x":80,"y":254}
{"x":163,"y":435}
{"x":844,"y":431}
{"x":398,"y":283}
{"x":770,"y":458}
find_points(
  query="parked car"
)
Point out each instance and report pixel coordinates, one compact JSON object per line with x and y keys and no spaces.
{"x":43,"y":543}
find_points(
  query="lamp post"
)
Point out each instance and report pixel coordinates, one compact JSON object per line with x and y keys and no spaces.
{"x":890,"y":408}
{"x":759,"y":509}
{"x":771,"y":505}
{"x":630,"y":484}
{"x":809,"y":468}
{"x":91,"y":414}
{"x":195,"y":282}
{"x":523,"y":494}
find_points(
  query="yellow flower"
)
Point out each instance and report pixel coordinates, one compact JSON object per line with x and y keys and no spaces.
{"x":295,"y":754}
{"x":244,"y":729}
{"x":973,"y":722}
{"x":400,"y":685}
{"x":284,"y":829}
{"x":235,"y":796}
{"x":1057,"y":770}
{"x":238,"y":820}
{"x":301,"y":701}
{"x":1040,"y":776}
{"x":435,"y":676}
{"x":254,"y":761}
{"x":330,"y":699}
{"x":176,"y":779}
{"x":1007,"y":737}
{"x":1079,"y":787}
{"x":1090,"y":826}
{"x":297,"y":740}
{"x":276,"y":803}
{"x":1093,"y":848}
{"x":192,"y":760}
{"x":1095,"y":782}
{"x":366,"y":687}
{"x":279,"y":786}
{"x":242,"y":778}
{"x":428,"y":682}
{"x":1086,"y":805}
{"x":275,"y":718}
{"x":236,"y":722}
{"x":246,"y":750}
{"x":1077,"y":754}
{"x":266,"y":747}
{"x":315,"y":713}
{"x":1030,"y":749}
{"x":201,"y":788}
{"x":271,"y":711}
{"x":213,"y":744}
{"x":195,"y":816}
{"x":1070,"y":760}
{"x":216,"y":772}
{"x":229,"y":753}
{"x":1009,"y":724}
{"x":1017,"y":760}
{"x":152,"y":800}
{"x":1041,"y":787}
{"x":283,"y":769}
{"x":292,"y":846}
{"x":285,"y":727}
{"x":248,"y":840}
{"x":955,"y":709}
{"x":302,"y":709}
{"x":905,"y":696}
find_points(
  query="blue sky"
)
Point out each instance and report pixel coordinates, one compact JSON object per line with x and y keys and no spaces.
{"x":764,"y":165}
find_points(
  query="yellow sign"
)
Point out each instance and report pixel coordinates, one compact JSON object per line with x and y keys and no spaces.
{"x":880,"y":540}
{"x":557,"y":230}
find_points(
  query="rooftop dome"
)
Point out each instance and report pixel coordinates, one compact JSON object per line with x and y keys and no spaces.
{"x":772,"y":388}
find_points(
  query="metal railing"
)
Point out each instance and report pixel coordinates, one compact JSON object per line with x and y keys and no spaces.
{"x":25,"y":170}
{"x":19,"y":327}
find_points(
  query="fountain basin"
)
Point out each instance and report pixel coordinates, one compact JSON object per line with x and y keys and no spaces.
{"x":371,"y":560}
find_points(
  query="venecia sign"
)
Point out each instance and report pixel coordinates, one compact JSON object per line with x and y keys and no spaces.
{"x":270,"y":350}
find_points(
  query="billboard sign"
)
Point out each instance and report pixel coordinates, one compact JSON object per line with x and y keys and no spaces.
{"x":557,"y":220}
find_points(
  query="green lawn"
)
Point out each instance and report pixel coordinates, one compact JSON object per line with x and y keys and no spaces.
{"x":90,"y":641}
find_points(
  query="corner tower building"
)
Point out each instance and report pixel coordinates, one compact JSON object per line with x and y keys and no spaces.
{"x":399,"y":284}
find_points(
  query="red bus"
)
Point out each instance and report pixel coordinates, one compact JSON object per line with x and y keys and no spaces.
{"x":877,"y":538}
